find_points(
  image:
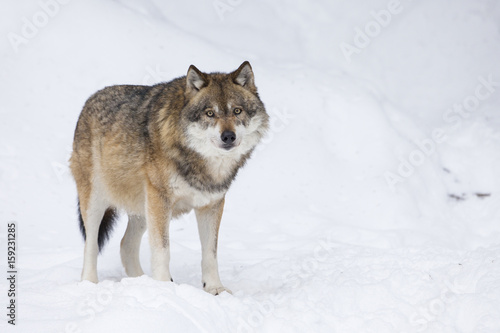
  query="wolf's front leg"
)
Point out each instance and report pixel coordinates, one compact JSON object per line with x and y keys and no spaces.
{"x":158,"y":215}
{"x":209,"y":218}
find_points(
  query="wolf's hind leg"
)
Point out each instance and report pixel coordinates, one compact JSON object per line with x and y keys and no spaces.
{"x":92,"y":213}
{"x":130,"y":245}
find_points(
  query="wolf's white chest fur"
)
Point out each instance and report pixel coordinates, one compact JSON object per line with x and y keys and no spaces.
{"x":187,"y":197}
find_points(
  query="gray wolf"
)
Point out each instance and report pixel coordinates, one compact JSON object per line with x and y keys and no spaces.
{"x":160,"y":151}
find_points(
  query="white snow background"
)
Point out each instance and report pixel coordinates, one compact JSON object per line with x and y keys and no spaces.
{"x":372,"y":205}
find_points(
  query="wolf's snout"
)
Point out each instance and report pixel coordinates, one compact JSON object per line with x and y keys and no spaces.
{"x":228,"y":137}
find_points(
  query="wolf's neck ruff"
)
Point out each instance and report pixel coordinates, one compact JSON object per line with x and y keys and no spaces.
{"x":199,"y":174}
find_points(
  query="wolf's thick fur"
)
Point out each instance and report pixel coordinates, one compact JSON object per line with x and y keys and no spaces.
{"x":158,"y":152}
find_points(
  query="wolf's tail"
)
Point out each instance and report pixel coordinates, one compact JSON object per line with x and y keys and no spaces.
{"x":105,"y":228}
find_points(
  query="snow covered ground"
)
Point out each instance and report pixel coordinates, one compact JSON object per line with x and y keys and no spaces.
{"x":372,"y":206}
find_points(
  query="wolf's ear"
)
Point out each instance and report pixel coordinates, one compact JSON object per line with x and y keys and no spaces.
{"x":244,"y":77}
{"x":195,"y":80}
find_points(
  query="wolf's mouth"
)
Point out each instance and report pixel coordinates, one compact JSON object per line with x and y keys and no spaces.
{"x":228,"y":146}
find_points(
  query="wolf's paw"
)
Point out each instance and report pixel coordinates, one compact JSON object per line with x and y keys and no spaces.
{"x":216,"y":290}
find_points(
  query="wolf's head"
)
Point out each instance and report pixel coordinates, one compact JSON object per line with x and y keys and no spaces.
{"x":224,"y":115}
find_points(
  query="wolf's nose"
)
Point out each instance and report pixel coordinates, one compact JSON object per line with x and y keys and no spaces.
{"x":228,"y":137}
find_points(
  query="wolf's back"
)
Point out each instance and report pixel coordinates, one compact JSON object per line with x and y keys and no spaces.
{"x":124,"y":104}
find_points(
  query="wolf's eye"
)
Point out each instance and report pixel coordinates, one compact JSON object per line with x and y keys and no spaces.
{"x":237,"y":111}
{"x":210,"y":113}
